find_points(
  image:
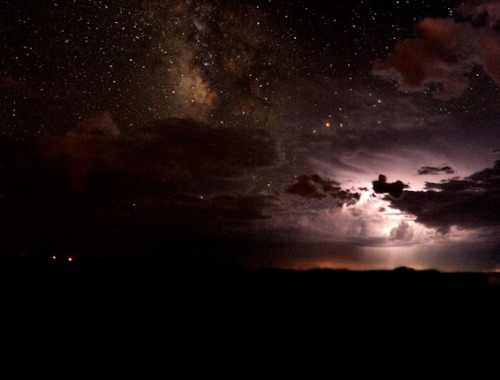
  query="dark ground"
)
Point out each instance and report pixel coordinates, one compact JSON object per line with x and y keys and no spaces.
{"x":231,"y":319}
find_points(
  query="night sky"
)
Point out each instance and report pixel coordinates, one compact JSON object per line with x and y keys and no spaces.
{"x":291,"y":134}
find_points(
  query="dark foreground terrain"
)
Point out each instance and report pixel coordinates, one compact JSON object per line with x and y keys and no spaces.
{"x":246,"y":320}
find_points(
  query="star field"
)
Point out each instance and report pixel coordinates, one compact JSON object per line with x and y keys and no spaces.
{"x":155,"y":99}
{"x":217,"y":61}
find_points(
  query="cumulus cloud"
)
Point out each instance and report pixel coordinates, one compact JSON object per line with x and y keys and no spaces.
{"x":171,"y":178}
{"x":314,"y":186}
{"x":395,"y":189}
{"x":403,"y":232}
{"x":472,"y":202}
{"x":431,"y":170}
{"x":96,"y":124}
{"x":444,"y":52}
{"x":166,"y":154}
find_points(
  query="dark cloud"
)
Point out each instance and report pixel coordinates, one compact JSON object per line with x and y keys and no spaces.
{"x":484,"y":12}
{"x":96,"y":124}
{"x":171,"y":178}
{"x":472,"y":202}
{"x":215,"y":149}
{"x":431,"y":170}
{"x":313,"y":186}
{"x":395,"y":189}
{"x":164,"y":154}
{"x":444,"y":52}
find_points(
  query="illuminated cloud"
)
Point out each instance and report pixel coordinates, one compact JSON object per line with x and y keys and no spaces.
{"x":444,"y":52}
{"x":403,"y":232}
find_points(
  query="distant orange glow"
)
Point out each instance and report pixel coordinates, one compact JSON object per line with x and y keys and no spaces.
{"x":339,"y":265}
{"x":327,"y":124}
{"x":70,"y":259}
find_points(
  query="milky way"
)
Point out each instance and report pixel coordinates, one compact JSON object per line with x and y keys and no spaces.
{"x":147,"y":60}
{"x":263,"y":121}
{"x":216,"y":61}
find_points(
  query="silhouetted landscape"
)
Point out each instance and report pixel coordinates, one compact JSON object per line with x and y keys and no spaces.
{"x":103,"y":309}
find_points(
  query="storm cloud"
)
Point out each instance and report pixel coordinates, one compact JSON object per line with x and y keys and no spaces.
{"x":173,"y":178}
{"x":395,"y":189}
{"x":472,"y":202}
{"x":432,"y":170}
{"x":314,"y":186}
